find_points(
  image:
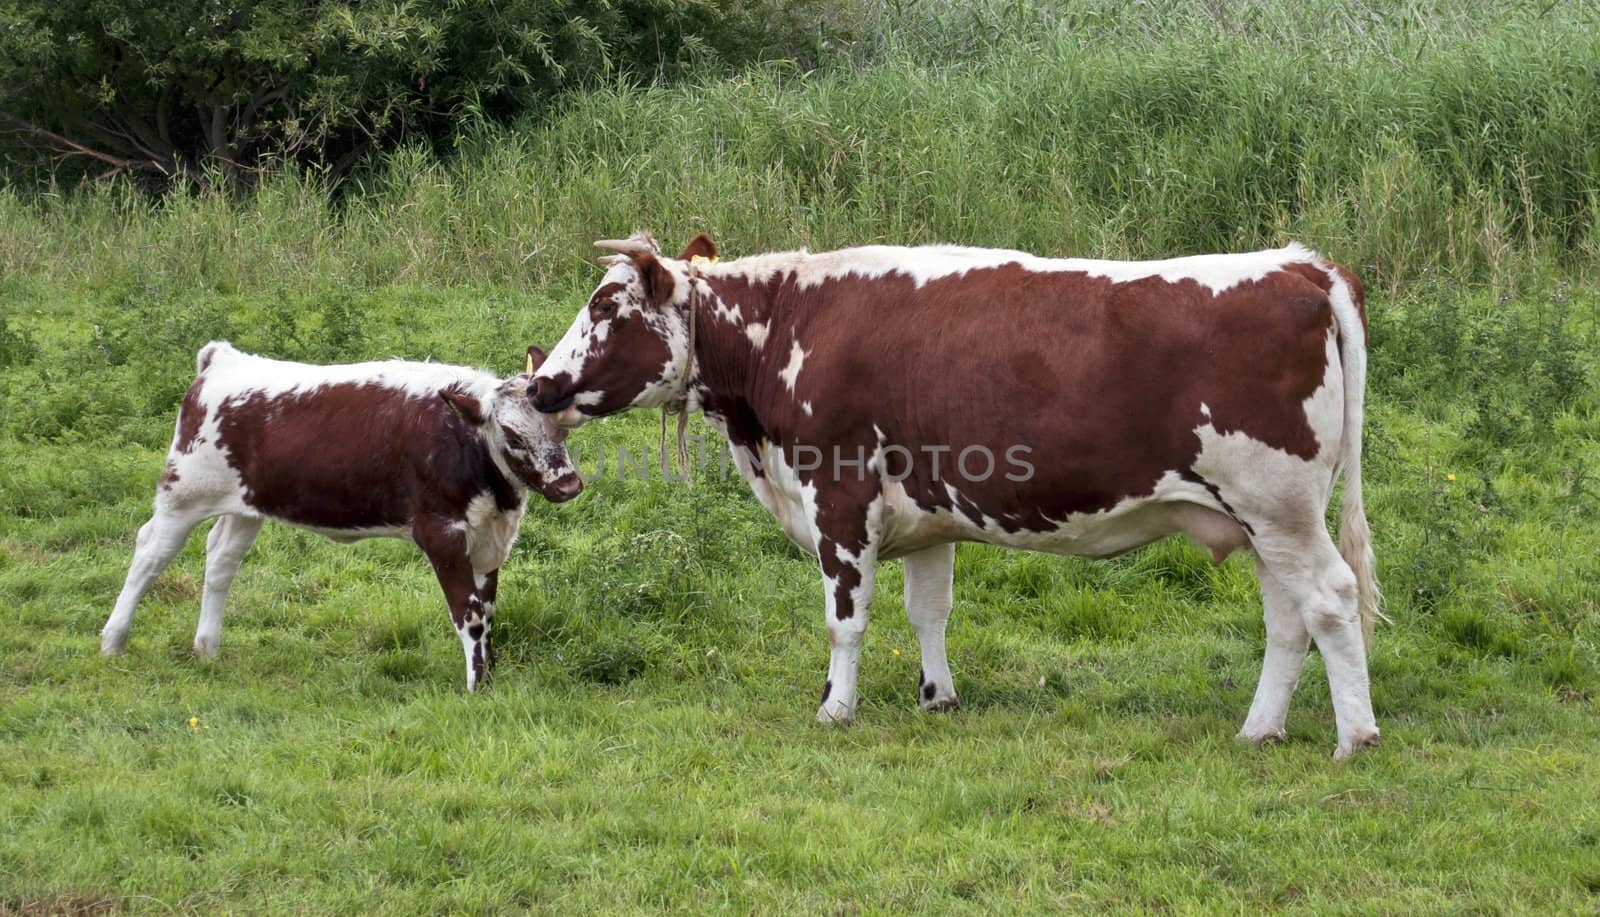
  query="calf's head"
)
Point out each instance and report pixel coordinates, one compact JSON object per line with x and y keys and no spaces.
{"x":629,"y":347}
{"x":534,"y":448}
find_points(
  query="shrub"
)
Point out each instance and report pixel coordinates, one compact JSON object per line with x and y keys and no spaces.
{"x":186,"y":89}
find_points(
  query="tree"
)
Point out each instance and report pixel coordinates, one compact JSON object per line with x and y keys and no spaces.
{"x":177,"y":90}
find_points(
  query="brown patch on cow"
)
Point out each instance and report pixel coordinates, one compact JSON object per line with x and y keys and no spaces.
{"x":315,"y":458}
{"x":928,"y":690}
{"x":191,"y":415}
{"x":1102,"y":381}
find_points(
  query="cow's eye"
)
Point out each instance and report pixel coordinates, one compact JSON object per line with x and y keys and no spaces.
{"x":605,"y":310}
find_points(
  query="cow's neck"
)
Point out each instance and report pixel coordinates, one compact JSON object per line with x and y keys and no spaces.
{"x":733,"y":323}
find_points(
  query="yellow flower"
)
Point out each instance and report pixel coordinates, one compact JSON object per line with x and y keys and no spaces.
{"x":895,"y":651}
{"x":1450,"y":477}
{"x":194,"y":721}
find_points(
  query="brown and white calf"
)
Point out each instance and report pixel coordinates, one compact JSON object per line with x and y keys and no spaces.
{"x":888,"y":402}
{"x":441,"y":455}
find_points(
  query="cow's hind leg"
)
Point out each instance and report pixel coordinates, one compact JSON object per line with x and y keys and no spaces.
{"x":159,"y":541}
{"x":1287,"y":641}
{"x":930,"y":583}
{"x":1322,"y":589}
{"x":226,"y":546}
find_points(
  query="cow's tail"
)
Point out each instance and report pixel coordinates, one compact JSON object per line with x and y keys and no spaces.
{"x":1355,"y":539}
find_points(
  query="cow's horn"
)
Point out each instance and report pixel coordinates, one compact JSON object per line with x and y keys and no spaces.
{"x":626,"y":246}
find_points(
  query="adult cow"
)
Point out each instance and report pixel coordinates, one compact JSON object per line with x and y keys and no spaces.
{"x":867,"y":391}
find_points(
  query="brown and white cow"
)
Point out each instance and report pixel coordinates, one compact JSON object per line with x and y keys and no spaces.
{"x":888,"y":402}
{"x":441,"y":455}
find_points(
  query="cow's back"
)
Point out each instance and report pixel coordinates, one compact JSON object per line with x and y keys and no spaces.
{"x":333,"y":448}
{"x":1104,"y":371}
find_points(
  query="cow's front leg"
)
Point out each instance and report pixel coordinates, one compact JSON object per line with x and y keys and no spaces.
{"x":445,"y":544}
{"x":846,"y":536}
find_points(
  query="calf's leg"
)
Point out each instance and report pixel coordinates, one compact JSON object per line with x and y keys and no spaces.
{"x":464,"y":593}
{"x":159,"y":541}
{"x":930,"y":583}
{"x":226,"y":546}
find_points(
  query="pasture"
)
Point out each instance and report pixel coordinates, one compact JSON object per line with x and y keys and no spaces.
{"x":648,"y":743}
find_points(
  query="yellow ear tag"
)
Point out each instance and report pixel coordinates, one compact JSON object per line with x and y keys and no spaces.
{"x":529,"y":370}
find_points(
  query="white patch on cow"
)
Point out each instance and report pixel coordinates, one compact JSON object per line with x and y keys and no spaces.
{"x":1205,"y":410}
{"x":720,"y":310}
{"x":590,"y":398}
{"x":933,"y":262}
{"x":791,"y":373}
{"x":491,"y":532}
{"x":757,"y":333}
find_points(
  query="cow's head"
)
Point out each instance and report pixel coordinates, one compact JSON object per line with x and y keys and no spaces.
{"x":533,"y":447}
{"x":629,"y":347}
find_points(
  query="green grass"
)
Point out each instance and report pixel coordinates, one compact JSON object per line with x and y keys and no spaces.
{"x":648,"y":743}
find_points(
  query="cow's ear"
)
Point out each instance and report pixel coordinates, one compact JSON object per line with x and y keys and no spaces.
{"x":536,"y":358}
{"x":700,"y":246}
{"x":470,"y":408}
{"x":657,"y":279}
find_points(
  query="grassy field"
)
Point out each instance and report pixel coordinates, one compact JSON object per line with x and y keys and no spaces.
{"x":649,"y":743}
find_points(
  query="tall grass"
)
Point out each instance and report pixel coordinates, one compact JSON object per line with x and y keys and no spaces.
{"x":1404,"y":142}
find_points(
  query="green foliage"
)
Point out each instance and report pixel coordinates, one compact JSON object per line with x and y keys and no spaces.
{"x":1417,"y":152}
{"x":183,"y":89}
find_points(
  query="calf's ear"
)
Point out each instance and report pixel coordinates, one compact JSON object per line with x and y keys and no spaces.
{"x":536,"y":358}
{"x":700,"y":246}
{"x":657,"y":279}
{"x":470,"y":408}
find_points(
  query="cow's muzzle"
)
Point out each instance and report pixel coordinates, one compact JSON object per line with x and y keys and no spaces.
{"x":562,"y":489}
{"x":552,"y":396}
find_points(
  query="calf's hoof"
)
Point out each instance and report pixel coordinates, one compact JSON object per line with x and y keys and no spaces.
{"x":113,"y":645}
{"x":1367,"y":738}
{"x":206,"y":650}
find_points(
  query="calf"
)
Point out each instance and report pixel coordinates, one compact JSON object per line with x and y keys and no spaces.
{"x":888,"y":402}
{"x":441,"y":455}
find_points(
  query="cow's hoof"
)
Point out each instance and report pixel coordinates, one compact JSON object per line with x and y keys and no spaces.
{"x":1271,"y":735}
{"x":1365,"y":739}
{"x":206,"y":650}
{"x":113,"y":646}
{"x":931,"y":696}
{"x":832,"y":713}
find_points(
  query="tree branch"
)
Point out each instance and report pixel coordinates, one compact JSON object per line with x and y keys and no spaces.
{"x":63,"y":146}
